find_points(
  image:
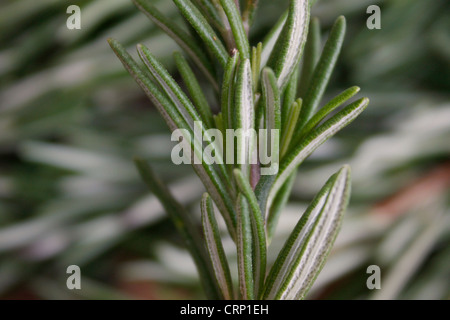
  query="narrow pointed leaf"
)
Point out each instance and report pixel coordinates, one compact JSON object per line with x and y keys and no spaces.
{"x":256,"y":65}
{"x":290,"y":45}
{"x":244,"y":250}
{"x":323,"y":70}
{"x":332,"y":105}
{"x":169,"y":85}
{"x":313,"y":140}
{"x":215,"y":248}
{"x":194,"y":89}
{"x":289,"y":97}
{"x":204,"y":30}
{"x":245,"y":117}
{"x":289,"y":128}
{"x":227,"y":98}
{"x":218,"y":121}
{"x":225,"y":31}
{"x":311,"y":56}
{"x":185,"y":226}
{"x":308,"y":246}
{"x":271,"y":100}
{"x":269,"y":145}
{"x":271,"y":39}
{"x":210,"y":12}
{"x":277,"y":206}
{"x":258,"y":232}
{"x":183,"y":39}
{"x":237,"y":27}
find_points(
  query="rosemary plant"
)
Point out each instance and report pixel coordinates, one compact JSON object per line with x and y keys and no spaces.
{"x":276,"y":85}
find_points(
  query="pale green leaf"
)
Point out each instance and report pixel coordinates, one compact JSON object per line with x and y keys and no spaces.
{"x":215,"y":248}
{"x":194,"y":88}
{"x":244,"y":250}
{"x":289,"y":47}
{"x":244,"y":117}
{"x":311,"y":56}
{"x":211,"y":13}
{"x":204,"y":30}
{"x":289,"y":128}
{"x":313,"y":140}
{"x":270,"y":140}
{"x":237,"y":27}
{"x":289,"y":97}
{"x":308,"y":246}
{"x":277,"y":206}
{"x":258,"y":232}
{"x":227,"y":97}
{"x":270,"y":40}
{"x":325,"y":111}
{"x":322,"y":71}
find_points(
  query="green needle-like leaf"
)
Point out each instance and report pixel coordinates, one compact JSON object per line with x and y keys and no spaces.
{"x":195,"y":90}
{"x":244,"y":249}
{"x":271,"y":39}
{"x":228,"y":87}
{"x":209,"y":10}
{"x":237,"y":27}
{"x":204,"y":30}
{"x":271,"y":99}
{"x":289,"y":128}
{"x":256,"y":65}
{"x":215,"y":248}
{"x":335,"y":103}
{"x":183,"y":39}
{"x":289,"y":47}
{"x":312,"y":141}
{"x":289,"y":97}
{"x":169,"y":85}
{"x":308,"y":246}
{"x":278,"y":204}
{"x":218,"y":121}
{"x":322,"y":72}
{"x":185,"y":226}
{"x":271,"y":138}
{"x":258,"y":231}
{"x":245,"y":117}
{"x":311,"y":56}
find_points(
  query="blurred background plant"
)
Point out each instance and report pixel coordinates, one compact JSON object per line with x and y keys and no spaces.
{"x":71,"y":119}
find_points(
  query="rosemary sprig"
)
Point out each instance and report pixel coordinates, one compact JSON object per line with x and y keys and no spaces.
{"x":259,"y":90}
